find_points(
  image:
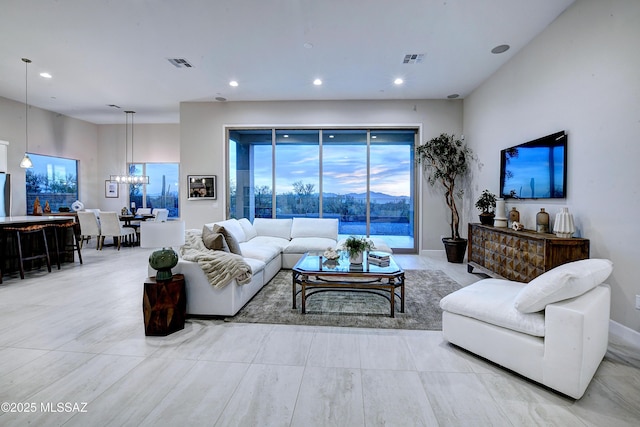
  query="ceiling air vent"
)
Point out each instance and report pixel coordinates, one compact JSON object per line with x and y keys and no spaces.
{"x":180,"y":62}
{"x":413,"y":58}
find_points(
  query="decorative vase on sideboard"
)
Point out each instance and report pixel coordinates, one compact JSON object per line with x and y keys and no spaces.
{"x":564,"y":226}
{"x":542,"y":221}
{"x":500,"y":220}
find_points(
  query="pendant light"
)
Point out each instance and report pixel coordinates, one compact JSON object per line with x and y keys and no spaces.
{"x":26,"y":161}
{"x":127,"y":177}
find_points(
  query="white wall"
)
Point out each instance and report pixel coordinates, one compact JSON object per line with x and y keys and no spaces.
{"x":100,"y":149}
{"x":50,"y":134}
{"x":152,"y":143}
{"x":202,"y":147}
{"x":579,"y":75}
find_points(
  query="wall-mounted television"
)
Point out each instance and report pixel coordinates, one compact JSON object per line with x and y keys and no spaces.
{"x":536,"y":169}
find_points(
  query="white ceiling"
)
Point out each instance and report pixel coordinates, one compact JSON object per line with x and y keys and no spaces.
{"x":103,"y":52}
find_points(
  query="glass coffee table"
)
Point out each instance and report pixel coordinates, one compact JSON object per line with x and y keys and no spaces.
{"x":314,"y":273}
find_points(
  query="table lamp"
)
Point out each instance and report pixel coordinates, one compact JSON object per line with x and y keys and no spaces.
{"x":162,"y":235}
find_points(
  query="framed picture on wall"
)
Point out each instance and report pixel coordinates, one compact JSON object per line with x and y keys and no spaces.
{"x":201,"y":187}
{"x":111,"y":189}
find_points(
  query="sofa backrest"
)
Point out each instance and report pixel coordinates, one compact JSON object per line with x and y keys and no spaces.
{"x":273,"y":227}
{"x":315,"y":227}
{"x":248,"y":228}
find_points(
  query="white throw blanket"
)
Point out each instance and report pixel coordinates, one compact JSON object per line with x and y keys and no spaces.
{"x":220,"y":267}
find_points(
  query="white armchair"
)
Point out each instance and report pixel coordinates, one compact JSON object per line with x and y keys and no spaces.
{"x":553,"y":330}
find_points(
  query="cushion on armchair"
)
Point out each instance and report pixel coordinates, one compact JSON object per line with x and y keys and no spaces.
{"x":491,"y":301}
{"x":563,"y":282}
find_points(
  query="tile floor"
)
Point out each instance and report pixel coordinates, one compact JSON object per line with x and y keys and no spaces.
{"x":73,"y":352}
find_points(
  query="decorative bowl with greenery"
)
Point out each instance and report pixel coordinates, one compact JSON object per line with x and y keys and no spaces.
{"x":355,"y":246}
{"x":445,"y":159}
{"x":486,"y":204}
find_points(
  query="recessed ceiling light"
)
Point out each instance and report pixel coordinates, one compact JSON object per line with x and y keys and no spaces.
{"x":317,"y":82}
{"x":453,"y":96}
{"x":500,"y":49}
{"x":46,"y":75}
{"x":308,"y":45}
{"x":398,"y":81}
{"x":233,"y":83}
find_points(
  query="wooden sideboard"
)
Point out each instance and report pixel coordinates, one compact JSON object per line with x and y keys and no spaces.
{"x":520,"y":256}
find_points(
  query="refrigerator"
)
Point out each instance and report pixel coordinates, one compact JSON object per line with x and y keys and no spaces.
{"x":5,"y":194}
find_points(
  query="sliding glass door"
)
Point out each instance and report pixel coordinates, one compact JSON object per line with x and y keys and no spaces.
{"x":344,"y":177}
{"x":363,"y":177}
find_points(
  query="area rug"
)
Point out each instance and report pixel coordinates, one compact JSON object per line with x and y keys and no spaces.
{"x":423,"y":291}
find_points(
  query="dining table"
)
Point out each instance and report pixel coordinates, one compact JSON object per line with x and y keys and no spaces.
{"x":128,"y":218}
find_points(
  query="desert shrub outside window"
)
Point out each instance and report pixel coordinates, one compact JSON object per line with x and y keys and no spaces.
{"x":53,"y":180}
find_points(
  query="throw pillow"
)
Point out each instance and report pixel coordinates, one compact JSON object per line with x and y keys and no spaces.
{"x":214,"y":241}
{"x":563,"y":282}
{"x":234,"y":246}
{"x":234,"y":228}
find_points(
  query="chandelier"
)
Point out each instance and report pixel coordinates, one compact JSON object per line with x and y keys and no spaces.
{"x":129,"y":177}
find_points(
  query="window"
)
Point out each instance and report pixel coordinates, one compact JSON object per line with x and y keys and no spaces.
{"x":363,"y":177}
{"x":52,"y":180}
{"x":297,"y":178}
{"x":163,"y":189}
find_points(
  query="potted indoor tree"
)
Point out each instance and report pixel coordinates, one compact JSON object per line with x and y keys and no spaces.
{"x":445,"y":159}
{"x":355,"y":246}
{"x":486,"y":204}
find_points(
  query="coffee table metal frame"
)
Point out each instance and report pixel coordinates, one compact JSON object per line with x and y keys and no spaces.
{"x":313,"y":274}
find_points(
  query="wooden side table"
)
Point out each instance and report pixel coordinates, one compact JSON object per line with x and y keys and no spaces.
{"x":165,"y":305}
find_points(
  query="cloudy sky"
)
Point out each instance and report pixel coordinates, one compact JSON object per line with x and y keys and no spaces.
{"x":344,"y":168}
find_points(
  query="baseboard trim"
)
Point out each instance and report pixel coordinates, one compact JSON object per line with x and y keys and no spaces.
{"x":436,"y":253}
{"x":625,"y":334}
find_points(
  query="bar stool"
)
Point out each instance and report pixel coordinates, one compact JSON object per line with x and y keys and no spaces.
{"x":59,"y":231}
{"x":32,"y":231}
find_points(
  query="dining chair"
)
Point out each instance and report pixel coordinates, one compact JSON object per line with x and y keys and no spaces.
{"x":161,"y":215}
{"x":110,"y":226}
{"x":89,"y":227}
{"x":136,"y":222}
{"x":95,"y":211}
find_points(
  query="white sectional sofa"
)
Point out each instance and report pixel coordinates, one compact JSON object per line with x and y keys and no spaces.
{"x":267,"y":245}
